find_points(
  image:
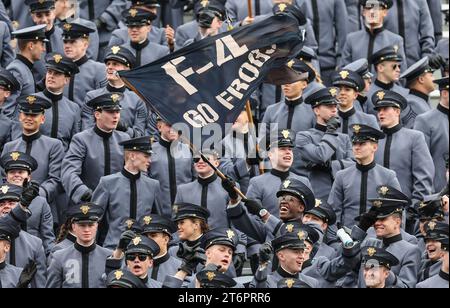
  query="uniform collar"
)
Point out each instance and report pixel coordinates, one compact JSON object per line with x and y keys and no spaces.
{"x":71,"y":237}
{"x":364,"y":168}
{"x":50,"y":32}
{"x":194,"y":243}
{"x":419,"y":94}
{"x":375,"y":31}
{"x":82,"y":60}
{"x":144,"y":280}
{"x":161,"y":260}
{"x":101,"y":133}
{"x":361,"y":99}
{"x":51,"y":96}
{"x":285,"y":274}
{"x":25,"y":61}
{"x":442,"y":109}
{"x":384,"y":86}
{"x":283,"y":175}
{"x":83,"y":249}
{"x":392,"y":240}
{"x":322,"y":128}
{"x":2,"y":265}
{"x":295,"y":102}
{"x":31,"y":138}
{"x":207,"y":181}
{"x":139,"y":46}
{"x":110,"y":88}
{"x":130,"y":175}
{"x":443,"y":275}
{"x":347,"y":114}
{"x":165,"y":143}
{"x":393,"y":130}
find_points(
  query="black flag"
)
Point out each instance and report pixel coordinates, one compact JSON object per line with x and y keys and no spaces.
{"x":209,"y":81}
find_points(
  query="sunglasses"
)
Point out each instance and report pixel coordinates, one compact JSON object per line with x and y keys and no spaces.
{"x":196,"y":159}
{"x":395,"y":66}
{"x":141,"y":256}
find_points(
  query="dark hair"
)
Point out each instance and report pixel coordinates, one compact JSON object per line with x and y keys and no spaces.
{"x":64,"y":230}
{"x":203,"y":224}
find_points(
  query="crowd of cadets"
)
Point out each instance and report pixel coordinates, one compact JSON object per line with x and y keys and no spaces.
{"x":98,"y":191}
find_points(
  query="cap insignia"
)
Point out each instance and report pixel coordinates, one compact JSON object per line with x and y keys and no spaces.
{"x":286,"y":183}
{"x":301,"y":235}
{"x":57,"y":58}
{"x":422,"y":205}
{"x":282,"y":7}
{"x":15,"y":155}
{"x":31,"y":99}
{"x":396,"y":48}
{"x":129,"y":223}
{"x":84,"y":209}
{"x":133,"y":12}
{"x":377,"y":203}
{"x":290,"y":228}
{"x":291,"y":63}
{"x":344,"y":74}
{"x":357,"y":128}
{"x":115,"y":97}
{"x":285,"y":133}
{"x":431,"y":225}
{"x":204,"y":3}
{"x":333,"y":92}
{"x":137,"y":240}
{"x":4,"y":189}
{"x":230,"y":234}
{"x":381,"y":95}
{"x":118,"y":274}
{"x":371,"y":251}
{"x":318,"y":202}
{"x":67,"y":27}
{"x":115,"y":49}
{"x":210,"y":276}
{"x":384,"y":190}
{"x":147,"y":220}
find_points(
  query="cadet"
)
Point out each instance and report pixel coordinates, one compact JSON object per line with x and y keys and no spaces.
{"x":293,"y":113}
{"x":66,"y":9}
{"x":219,"y":245}
{"x":264,"y":187}
{"x":85,"y":163}
{"x":43,"y":13}
{"x":361,"y":67}
{"x":387,"y":63}
{"x":329,"y":21}
{"x":349,"y":199}
{"x":289,"y":249}
{"x":435,"y":232}
{"x":106,"y":16}
{"x":160,"y":229}
{"x":47,"y":151}
{"x":374,"y":37}
{"x":156,"y":35}
{"x":190,"y":30}
{"x":377,"y":264}
{"x":62,"y":120}
{"x":240,"y":160}
{"x":8,"y":85}
{"x":238,"y":10}
{"x":127,"y":187}
{"x":415,"y":173}
{"x":76,"y":38}
{"x":386,"y":217}
{"x":322,"y":151}
{"x":412,"y":21}
{"x":133,"y":115}
{"x":18,"y":167}
{"x":434,"y":125}
{"x":9,"y":274}
{"x":138,"y":21}
{"x":350,"y":84}
{"x":440,"y":280}
{"x":139,"y":255}
{"x":419,"y":80}
{"x":308,"y":56}
{"x":7,"y":52}
{"x":30,"y":42}
{"x":25,"y":248}
{"x":82,"y":264}
{"x":171,"y":165}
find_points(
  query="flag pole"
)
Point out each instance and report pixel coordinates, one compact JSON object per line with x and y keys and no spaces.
{"x":249,"y":7}
{"x":252,"y":129}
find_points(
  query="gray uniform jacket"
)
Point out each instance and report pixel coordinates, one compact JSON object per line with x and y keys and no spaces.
{"x":185,"y":32}
{"x":319,"y":156}
{"x":92,"y":76}
{"x":6,"y":126}
{"x":171,"y":170}
{"x":62,"y":120}
{"x":91,"y":155}
{"x":412,"y":21}
{"x":442,"y":48}
{"x":434,"y":125}
{"x":429,"y":269}
{"x":264,"y":188}
{"x":6,"y":51}
{"x":438,"y":281}
{"x":354,"y":116}
{"x":147,"y":52}
{"x":237,"y":10}
{"x":48,"y":153}
{"x":133,"y":113}
{"x":19,"y":14}
{"x":263,"y":279}
{"x":40,"y":223}
{"x":349,"y":197}
{"x":363,"y":44}
{"x":354,"y":15}
{"x":418,"y":103}
{"x":296,"y":116}
{"x":68,"y":267}
{"x":405,"y":152}
{"x":166,"y":265}
{"x":123,"y":195}
{"x":9,"y":276}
